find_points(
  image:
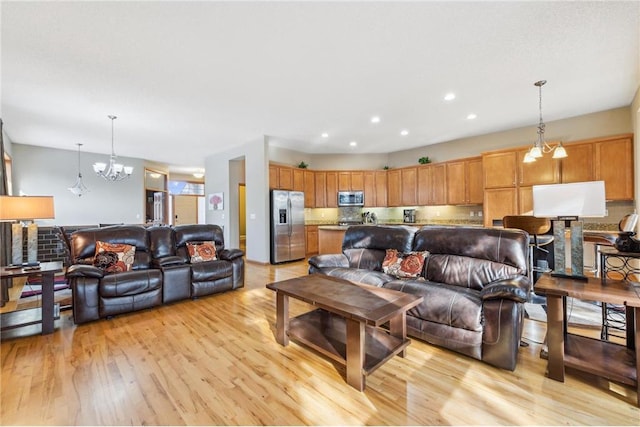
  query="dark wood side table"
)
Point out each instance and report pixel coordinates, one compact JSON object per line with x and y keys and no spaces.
{"x":47,"y":272}
{"x":602,"y":358}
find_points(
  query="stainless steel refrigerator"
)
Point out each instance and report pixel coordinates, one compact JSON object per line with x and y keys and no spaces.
{"x":287,"y":226}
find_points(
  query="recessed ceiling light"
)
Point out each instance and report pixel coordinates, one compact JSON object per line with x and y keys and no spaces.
{"x":404,"y":132}
{"x":450,"y":96}
{"x":353,"y":143}
{"x":471,"y":116}
{"x":325,"y":135}
{"x":375,"y":119}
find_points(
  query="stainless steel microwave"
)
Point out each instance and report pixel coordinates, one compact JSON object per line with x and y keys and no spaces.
{"x":350,"y":198}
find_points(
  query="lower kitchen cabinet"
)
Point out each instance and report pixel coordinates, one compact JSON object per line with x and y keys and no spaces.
{"x":311,"y":232}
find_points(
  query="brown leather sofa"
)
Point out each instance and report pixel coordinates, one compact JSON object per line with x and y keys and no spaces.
{"x":474,"y":283}
{"x":161,"y":271}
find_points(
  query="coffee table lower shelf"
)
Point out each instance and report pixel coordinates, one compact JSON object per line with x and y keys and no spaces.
{"x":327,"y":333}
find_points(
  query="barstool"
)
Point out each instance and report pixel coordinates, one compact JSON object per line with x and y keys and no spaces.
{"x":536,"y":227}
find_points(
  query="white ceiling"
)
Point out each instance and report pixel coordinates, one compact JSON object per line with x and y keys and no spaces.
{"x":188,"y":79}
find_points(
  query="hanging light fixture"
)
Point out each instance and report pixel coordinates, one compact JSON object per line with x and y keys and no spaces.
{"x":116,"y":171}
{"x":541,"y":147}
{"x":78,"y":188}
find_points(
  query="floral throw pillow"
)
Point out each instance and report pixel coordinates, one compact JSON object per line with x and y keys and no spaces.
{"x":404,"y":265}
{"x":203,"y":251}
{"x":114,"y":257}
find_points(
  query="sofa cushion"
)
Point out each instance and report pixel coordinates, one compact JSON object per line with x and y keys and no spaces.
{"x":465,"y":271}
{"x":404,"y":265}
{"x":444,"y":304}
{"x":211,"y":270}
{"x":114,"y":257}
{"x":130,"y":283}
{"x":202,"y":251}
{"x":359,"y":275}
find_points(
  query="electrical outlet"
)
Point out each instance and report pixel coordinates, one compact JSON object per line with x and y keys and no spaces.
{"x":606,"y":212}
{"x":479,"y":213}
{"x":472,"y":213}
{"x":437,"y":213}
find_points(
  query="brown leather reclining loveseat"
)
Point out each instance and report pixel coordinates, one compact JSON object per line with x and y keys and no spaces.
{"x":161,"y":269}
{"x":474,"y":283}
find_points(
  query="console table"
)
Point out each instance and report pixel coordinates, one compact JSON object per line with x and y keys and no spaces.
{"x":46,"y":271}
{"x":603,"y":358}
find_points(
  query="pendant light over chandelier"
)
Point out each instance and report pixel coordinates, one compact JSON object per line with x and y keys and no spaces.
{"x":78,"y":188}
{"x":541,"y":147}
{"x":116,"y":171}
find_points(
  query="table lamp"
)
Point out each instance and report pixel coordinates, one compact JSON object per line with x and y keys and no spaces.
{"x":569,"y":202}
{"x":25,"y":208}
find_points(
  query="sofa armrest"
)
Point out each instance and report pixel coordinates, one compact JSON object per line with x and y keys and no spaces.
{"x":230,"y":254}
{"x":329,"y":260}
{"x":84,"y":270}
{"x":167,"y":261}
{"x":515,"y":288}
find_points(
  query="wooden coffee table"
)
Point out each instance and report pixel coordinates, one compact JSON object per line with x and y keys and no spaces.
{"x":346,"y":325}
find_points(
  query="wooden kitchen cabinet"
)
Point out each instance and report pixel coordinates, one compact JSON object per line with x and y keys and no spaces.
{"x":273,"y":177}
{"x":499,"y":202}
{"x":432,"y":185}
{"x":500,"y":169}
{"x":285,"y":178}
{"x":525,"y":200}
{"x":614,"y":166}
{"x":369,"y":188}
{"x":578,"y":166}
{"x":311,"y":232}
{"x":545,"y":170}
{"x":309,"y":189}
{"x":298,"y":179}
{"x":351,"y":181}
{"x":357,"y":181}
{"x":331,"y":187}
{"x":394,"y":191}
{"x":344,"y":181}
{"x":409,"y":186}
{"x":464,"y":182}
{"x":320,"y":184}
{"x":380,"y":189}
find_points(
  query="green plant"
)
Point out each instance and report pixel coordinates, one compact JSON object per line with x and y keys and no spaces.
{"x":302,"y":165}
{"x":386,"y":168}
{"x":424,"y":160}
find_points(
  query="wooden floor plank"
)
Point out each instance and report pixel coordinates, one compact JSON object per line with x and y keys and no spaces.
{"x":215,"y":360}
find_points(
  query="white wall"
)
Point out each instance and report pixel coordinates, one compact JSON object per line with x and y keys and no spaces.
{"x":223,"y":173}
{"x":604,"y":123}
{"x":39,"y":171}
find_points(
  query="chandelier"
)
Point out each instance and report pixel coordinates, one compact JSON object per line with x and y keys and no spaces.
{"x":541,"y":147}
{"x":116,"y":171}
{"x":78,"y":188}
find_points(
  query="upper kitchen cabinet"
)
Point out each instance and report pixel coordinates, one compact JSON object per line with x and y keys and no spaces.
{"x":320,"y":182}
{"x":578,"y":165}
{"x":309,"y":189}
{"x":394,"y":189}
{"x":432,"y":185}
{"x":614,"y":166}
{"x":351,"y":181}
{"x":464,"y":182}
{"x":381,"y":189}
{"x":500,"y":169}
{"x":375,"y":188}
{"x":280,"y":177}
{"x":545,"y":170}
{"x":409,"y":186}
{"x":331,"y":186}
{"x":298,"y":179}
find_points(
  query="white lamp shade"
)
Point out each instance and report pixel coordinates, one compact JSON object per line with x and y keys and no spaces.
{"x":99,"y":167}
{"x":22,"y":208}
{"x":128,"y":170}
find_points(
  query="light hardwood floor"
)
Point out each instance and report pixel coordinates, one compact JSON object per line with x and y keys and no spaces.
{"x":215,"y":361}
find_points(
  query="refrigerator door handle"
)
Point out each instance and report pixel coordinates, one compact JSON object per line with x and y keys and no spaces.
{"x":289,"y":216}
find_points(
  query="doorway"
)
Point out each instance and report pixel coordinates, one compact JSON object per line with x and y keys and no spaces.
{"x":242,"y":216}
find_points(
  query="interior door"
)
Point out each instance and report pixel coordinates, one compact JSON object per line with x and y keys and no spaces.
{"x":185,"y":210}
